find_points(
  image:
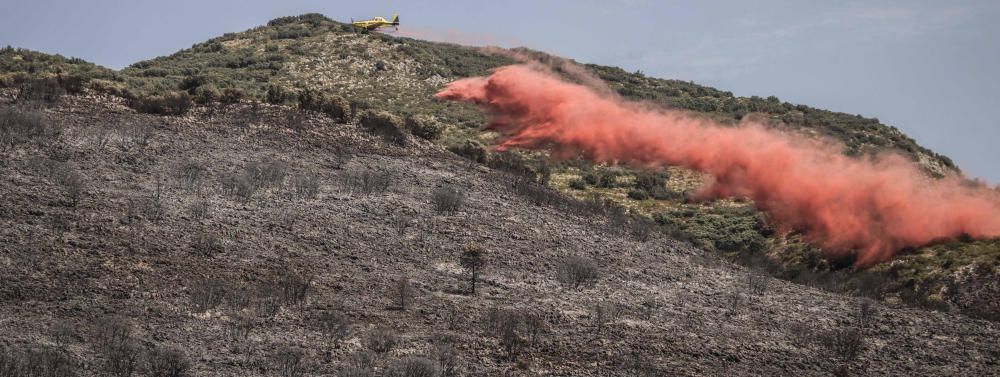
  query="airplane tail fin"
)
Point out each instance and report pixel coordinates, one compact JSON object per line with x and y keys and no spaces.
{"x":395,"y":19}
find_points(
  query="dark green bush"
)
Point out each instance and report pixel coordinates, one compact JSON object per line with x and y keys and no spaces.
{"x":424,"y":127}
{"x":190,"y":83}
{"x":232,"y":95}
{"x":728,"y":229}
{"x":578,"y":184}
{"x":335,"y":106}
{"x":607,"y":179}
{"x":651,"y":181}
{"x":278,"y":95}
{"x":516,"y":163}
{"x":206,"y":94}
{"x":471,"y":150}
{"x":638,"y":194}
{"x":384,"y":124}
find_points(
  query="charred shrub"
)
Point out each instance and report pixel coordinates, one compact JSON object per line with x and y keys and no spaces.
{"x":72,"y":183}
{"x":172,"y":103}
{"x":189,"y":174}
{"x":306,"y":185}
{"x":255,"y":176}
{"x":642,"y":228}
{"x":354,"y":371}
{"x":207,"y":294}
{"x":138,"y":136}
{"x":847,"y":343}
{"x":518,"y":165}
{"x":381,"y":340}
{"x":514,"y":329}
{"x":167,"y":362}
{"x":292,"y":286}
{"x":414,"y":366}
{"x":757,"y":283}
{"x":334,"y":325}
{"x":537,"y":193}
{"x":289,"y":362}
{"x":363,"y":359}
{"x":36,"y":361}
{"x":366,"y":181}
{"x":446,"y":354}
{"x":447,"y":199}
{"x":206,"y":244}
{"x":199,"y":209}
{"x":384,"y":124}
{"x":267,"y":173}
{"x":155,"y":208}
{"x":119,"y":351}
{"x":19,"y":126}
{"x":424,"y":127}
{"x":604,"y":313}
{"x":239,"y":326}
{"x":239,"y":186}
{"x":42,"y":89}
{"x":577,"y":272}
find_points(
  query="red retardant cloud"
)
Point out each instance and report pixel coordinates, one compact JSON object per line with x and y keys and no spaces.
{"x":870,"y":207}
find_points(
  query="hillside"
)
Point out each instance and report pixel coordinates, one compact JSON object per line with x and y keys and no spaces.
{"x":291,"y":98}
{"x":255,"y":239}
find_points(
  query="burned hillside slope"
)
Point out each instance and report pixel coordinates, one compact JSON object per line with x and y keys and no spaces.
{"x":253,"y":239}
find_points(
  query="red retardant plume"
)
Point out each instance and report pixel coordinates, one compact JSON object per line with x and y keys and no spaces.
{"x":868,"y":208}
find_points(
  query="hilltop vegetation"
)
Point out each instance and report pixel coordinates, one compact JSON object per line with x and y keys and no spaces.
{"x":324,"y":66}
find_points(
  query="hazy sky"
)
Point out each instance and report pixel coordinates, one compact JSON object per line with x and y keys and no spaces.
{"x":930,"y":68}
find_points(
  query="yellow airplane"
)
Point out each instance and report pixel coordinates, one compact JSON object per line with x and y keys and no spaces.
{"x":377,"y":23}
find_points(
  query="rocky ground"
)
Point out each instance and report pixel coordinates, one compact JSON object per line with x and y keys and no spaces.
{"x":257,"y":240}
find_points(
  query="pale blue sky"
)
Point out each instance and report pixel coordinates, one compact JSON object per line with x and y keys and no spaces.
{"x":930,"y":68}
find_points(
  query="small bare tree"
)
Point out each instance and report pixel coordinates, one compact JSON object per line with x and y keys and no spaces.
{"x":866,"y":314}
{"x":473,"y":259}
{"x":605,"y":313}
{"x":403,"y":290}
